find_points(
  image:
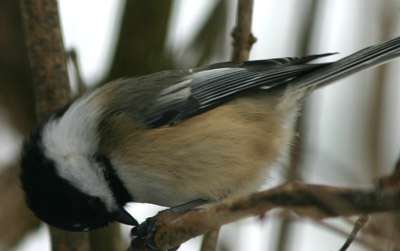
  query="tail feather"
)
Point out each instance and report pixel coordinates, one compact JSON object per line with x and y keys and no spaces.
{"x":363,"y":59}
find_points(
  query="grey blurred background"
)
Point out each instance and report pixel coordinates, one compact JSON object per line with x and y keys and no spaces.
{"x":348,"y":132}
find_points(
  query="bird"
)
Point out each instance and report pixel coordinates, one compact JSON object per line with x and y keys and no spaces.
{"x":171,"y":138}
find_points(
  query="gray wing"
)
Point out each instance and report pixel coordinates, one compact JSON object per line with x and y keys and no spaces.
{"x":204,"y":88}
{"x":213,"y":85}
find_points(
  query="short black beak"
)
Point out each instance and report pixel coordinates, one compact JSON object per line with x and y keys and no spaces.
{"x":124,"y":217}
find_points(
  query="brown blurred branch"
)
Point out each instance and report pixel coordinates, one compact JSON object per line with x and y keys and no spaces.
{"x":13,"y":210}
{"x":316,"y":201}
{"x":16,"y":102}
{"x":51,"y":86}
{"x":141,"y":42}
{"x":107,"y":238}
{"x":243,"y":39}
{"x":210,"y":241}
{"x":46,"y":55}
{"x":204,"y":47}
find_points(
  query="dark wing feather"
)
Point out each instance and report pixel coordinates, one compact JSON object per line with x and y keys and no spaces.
{"x":210,"y":86}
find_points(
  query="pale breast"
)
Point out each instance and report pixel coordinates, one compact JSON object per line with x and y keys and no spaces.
{"x":223,"y":152}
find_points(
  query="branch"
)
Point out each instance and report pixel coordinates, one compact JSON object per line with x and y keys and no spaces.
{"x":46,"y":55}
{"x":210,"y":240}
{"x":311,"y":200}
{"x":360,"y":223}
{"x":80,"y":84}
{"x":391,"y":181}
{"x":368,"y":244}
{"x":13,"y":209}
{"x":243,"y":39}
{"x":51,"y":86}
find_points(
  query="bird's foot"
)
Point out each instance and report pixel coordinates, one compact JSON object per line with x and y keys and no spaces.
{"x":143,"y":235}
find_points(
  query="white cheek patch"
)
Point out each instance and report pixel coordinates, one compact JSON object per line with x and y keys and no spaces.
{"x":87,"y":177}
{"x":71,"y":143}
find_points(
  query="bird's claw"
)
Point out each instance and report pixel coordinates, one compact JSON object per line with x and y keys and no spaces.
{"x":143,"y":236}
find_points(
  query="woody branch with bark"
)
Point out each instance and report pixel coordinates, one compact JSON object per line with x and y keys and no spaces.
{"x":316,"y":201}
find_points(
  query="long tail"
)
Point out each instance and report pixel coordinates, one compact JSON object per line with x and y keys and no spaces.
{"x":363,"y":59}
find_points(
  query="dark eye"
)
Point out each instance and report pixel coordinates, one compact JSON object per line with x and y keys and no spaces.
{"x":95,"y":203}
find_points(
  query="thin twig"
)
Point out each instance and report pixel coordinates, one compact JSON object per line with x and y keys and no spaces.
{"x":384,"y":182}
{"x":286,"y":215}
{"x":361,"y":221}
{"x":368,"y":244}
{"x":243,"y":39}
{"x":81,"y":86}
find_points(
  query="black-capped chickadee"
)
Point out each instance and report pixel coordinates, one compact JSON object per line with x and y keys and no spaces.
{"x":172,"y":137}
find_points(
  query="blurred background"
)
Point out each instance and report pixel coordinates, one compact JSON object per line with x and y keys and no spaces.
{"x":348,"y":131}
